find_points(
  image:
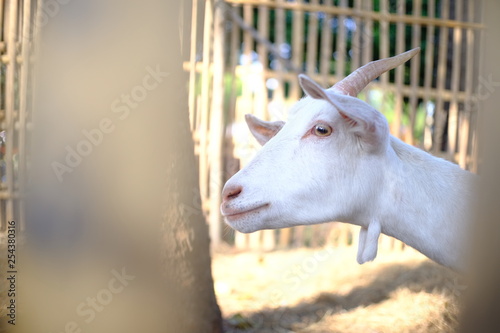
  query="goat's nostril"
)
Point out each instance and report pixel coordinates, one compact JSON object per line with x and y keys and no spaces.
{"x":232,"y":192}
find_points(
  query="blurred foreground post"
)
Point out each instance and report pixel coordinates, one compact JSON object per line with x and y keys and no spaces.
{"x":117,"y":241}
{"x":483,"y":295}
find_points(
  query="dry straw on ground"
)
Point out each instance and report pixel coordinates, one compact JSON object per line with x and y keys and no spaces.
{"x":287,"y":292}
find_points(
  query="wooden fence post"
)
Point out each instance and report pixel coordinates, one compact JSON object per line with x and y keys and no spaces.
{"x":216,"y":127}
{"x":24,"y":77}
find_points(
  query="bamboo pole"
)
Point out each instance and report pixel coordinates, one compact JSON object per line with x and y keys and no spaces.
{"x":312,"y":42}
{"x":463,"y":160}
{"x":312,"y":48}
{"x":247,"y":38}
{"x":268,"y":241}
{"x":254,"y":240}
{"x":469,"y":70}
{"x":415,"y":70}
{"x":234,"y":53}
{"x":297,"y":50}
{"x":326,"y":46}
{"x":247,"y":94}
{"x":317,"y":235}
{"x":23,"y":99}
{"x":367,"y":35}
{"x":278,"y":95}
{"x":205,"y":100}
{"x":298,"y":236}
{"x":192,"y":63}
{"x":196,"y":100}
{"x":261,"y":96}
{"x":429,"y":65}
{"x":400,"y":48}
{"x":341,"y":48}
{"x":398,"y":112}
{"x":240,"y":239}
{"x":284,"y":238}
{"x":216,"y":125}
{"x":474,"y":116}
{"x":295,"y":91}
{"x":367,"y":40}
{"x":233,"y":65}
{"x":384,"y":49}
{"x":279,"y":28}
{"x":455,"y":84}
{"x":356,"y":49}
{"x":441,"y":81}
{"x":34,"y":51}
{"x":10,"y":81}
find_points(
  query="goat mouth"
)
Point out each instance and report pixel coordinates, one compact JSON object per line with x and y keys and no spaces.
{"x":234,"y":215}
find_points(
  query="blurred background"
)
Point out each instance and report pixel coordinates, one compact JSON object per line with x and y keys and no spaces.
{"x":134,"y":117}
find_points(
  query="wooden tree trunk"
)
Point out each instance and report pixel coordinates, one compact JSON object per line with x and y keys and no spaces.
{"x":185,"y":232}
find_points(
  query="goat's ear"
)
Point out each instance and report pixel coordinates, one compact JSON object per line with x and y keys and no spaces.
{"x":363,"y":121}
{"x":262,"y":130}
{"x":311,"y":88}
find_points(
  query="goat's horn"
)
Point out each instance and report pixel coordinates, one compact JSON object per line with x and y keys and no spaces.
{"x":359,"y":79}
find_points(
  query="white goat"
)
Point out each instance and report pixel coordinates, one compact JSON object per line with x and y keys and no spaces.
{"x":334,"y":160}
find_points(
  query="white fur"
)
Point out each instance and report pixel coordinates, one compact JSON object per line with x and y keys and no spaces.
{"x":359,"y":174}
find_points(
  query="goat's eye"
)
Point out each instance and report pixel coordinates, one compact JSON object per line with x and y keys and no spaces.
{"x":322,"y":130}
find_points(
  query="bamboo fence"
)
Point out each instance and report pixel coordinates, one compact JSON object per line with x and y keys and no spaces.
{"x":248,"y":55}
{"x":18,"y":26}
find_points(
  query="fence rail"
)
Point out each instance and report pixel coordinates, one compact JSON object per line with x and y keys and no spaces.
{"x":251,"y":52}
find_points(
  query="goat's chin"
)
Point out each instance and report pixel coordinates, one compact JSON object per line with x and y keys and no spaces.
{"x":250,"y":222}
{"x":248,"y":219}
{"x":245,"y":226}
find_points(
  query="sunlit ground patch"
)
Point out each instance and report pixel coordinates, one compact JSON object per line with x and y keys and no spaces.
{"x":325,"y":290}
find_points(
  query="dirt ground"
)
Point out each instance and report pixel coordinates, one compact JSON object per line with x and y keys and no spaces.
{"x":325,"y":290}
